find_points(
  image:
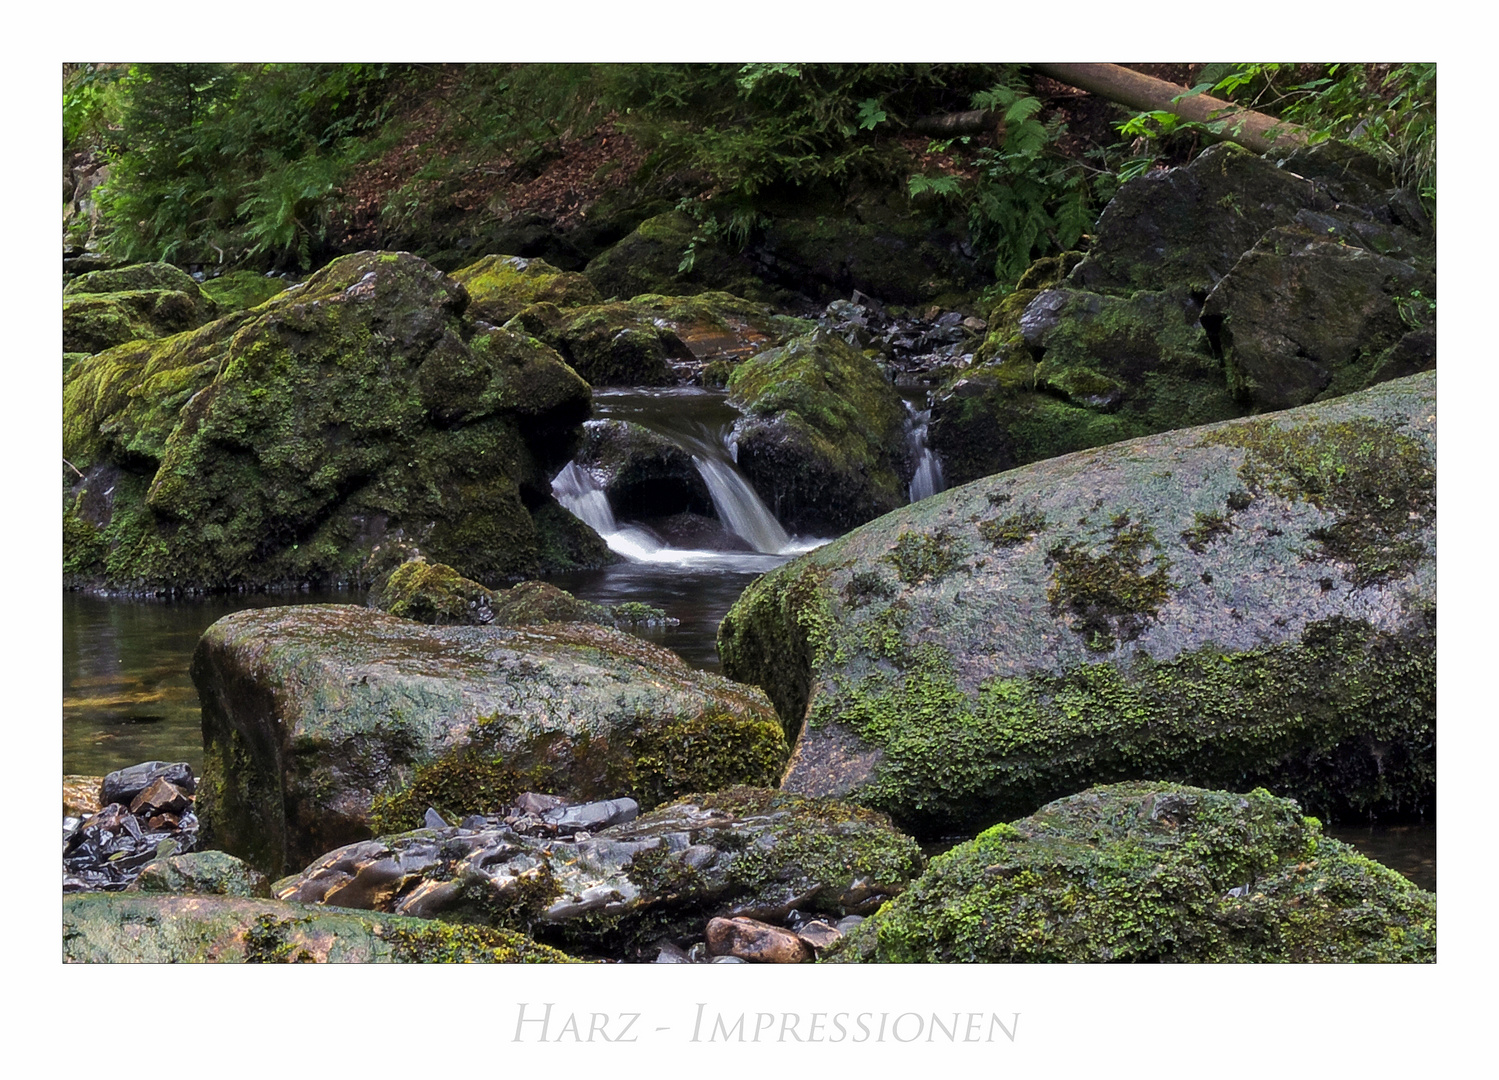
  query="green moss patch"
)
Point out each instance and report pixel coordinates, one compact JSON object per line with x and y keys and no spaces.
{"x":1108,"y":596}
{"x":1153,"y":872}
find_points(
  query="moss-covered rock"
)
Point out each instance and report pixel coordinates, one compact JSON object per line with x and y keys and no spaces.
{"x":208,"y":873}
{"x":1153,"y":872}
{"x":324,"y":724}
{"x":650,"y":260}
{"x":277,"y":445}
{"x":500,"y":286}
{"x":145,"y":301}
{"x":822,"y":437}
{"x":128,"y":928}
{"x":1248,"y":603}
{"x":1321,"y":278}
{"x":440,"y":596}
{"x":740,"y":852}
{"x":1305,"y":314}
{"x":241,"y":289}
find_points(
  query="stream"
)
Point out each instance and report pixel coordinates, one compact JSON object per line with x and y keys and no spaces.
{"x":128,"y":697}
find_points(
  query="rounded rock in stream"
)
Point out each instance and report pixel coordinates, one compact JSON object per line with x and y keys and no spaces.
{"x":1250,"y":602}
{"x":1152,"y":872}
{"x":326,"y":724}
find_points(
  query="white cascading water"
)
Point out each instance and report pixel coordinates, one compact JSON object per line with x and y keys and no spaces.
{"x":927,"y":478}
{"x":738,"y":507}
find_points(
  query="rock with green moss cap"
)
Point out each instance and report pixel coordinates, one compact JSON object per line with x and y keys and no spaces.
{"x":822,"y":439}
{"x":241,"y":289}
{"x":129,"y":928}
{"x":327,"y":724}
{"x":1252,"y":602}
{"x":1228,"y":286}
{"x":145,"y":301}
{"x":751,"y":852}
{"x":500,"y":286}
{"x":215,"y":873}
{"x":1153,"y":872}
{"x":276,"y":446}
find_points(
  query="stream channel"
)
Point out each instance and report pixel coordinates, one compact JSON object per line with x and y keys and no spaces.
{"x":127,"y":695}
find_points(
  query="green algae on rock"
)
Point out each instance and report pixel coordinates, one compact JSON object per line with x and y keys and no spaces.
{"x":822,"y":437}
{"x":324,"y":724}
{"x":241,"y":289}
{"x":275,"y":446}
{"x":1152,"y":872}
{"x":1247,"y":603}
{"x":740,"y":851}
{"x":132,"y":928}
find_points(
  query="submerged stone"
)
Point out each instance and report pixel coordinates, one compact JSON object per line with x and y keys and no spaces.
{"x":1249,"y":602}
{"x":1157,"y":873}
{"x":327,"y":724}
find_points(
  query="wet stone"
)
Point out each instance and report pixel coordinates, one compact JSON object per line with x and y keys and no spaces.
{"x":123,"y":785}
{"x":756,"y":942}
{"x":818,"y":934}
{"x":161,"y":795}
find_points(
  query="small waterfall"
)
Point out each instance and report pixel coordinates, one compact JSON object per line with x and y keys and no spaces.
{"x":701,"y":425}
{"x":740,"y":509}
{"x":927,"y":478}
{"x":580,"y":494}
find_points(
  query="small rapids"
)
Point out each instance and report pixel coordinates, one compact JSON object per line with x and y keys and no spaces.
{"x":700,"y":424}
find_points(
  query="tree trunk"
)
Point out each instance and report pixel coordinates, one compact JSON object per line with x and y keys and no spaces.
{"x":1251,"y":130}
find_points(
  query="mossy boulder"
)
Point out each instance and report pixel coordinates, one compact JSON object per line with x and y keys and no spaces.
{"x":650,"y":260}
{"x":241,"y":289}
{"x":822,"y":439}
{"x":500,"y":286}
{"x":745,"y":851}
{"x":325,"y":724}
{"x":145,"y":301}
{"x":129,"y":928}
{"x":208,"y":873}
{"x":438,"y":595}
{"x":1250,"y":602}
{"x":1152,"y":872}
{"x":277,"y":445}
{"x":1228,"y":286}
{"x":1305,"y":314}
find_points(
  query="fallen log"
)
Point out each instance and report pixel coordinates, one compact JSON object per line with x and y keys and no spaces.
{"x":1252,"y":130}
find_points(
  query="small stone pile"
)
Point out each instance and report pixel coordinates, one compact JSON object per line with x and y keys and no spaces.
{"x":147,"y":814}
{"x":913,"y":348}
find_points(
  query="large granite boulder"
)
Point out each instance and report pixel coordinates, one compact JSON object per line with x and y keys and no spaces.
{"x":822,"y":440}
{"x":743,"y":852}
{"x":144,"y":301}
{"x":1231,"y":285}
{"x":277,"y":445}
{"x":1154,"y":873}
{"x":326,"y":724}
{"x":132,"y":928}
{"x":1252,"y":602}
